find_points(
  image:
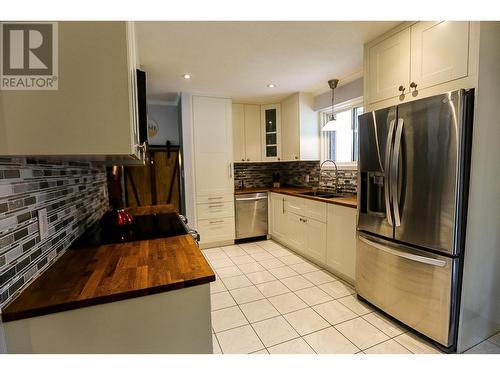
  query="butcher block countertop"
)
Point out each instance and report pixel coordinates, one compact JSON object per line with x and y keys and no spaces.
{"x":347,"y":201}
{"x":107,"y":273}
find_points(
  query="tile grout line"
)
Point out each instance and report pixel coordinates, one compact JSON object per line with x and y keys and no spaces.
{"x":307,"y":306}
{"x":253,"y":329}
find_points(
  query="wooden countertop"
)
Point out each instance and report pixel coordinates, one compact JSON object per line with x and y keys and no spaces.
{"x":347,"y":201}
{"x":95,"y":275}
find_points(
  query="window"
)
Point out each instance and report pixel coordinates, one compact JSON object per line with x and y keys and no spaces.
{"x":341,"y":144}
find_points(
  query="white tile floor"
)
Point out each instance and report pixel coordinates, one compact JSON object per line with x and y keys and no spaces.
{"x":267,"y":299}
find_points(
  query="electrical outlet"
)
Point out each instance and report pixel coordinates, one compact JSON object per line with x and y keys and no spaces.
{"x":43,"y":224}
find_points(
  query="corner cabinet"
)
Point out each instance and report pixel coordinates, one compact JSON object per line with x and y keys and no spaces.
{"x":247,"y":138}
{"x":299,"y":128}
{"x":271,"y":132}
{"x":93,"y":112}
{"x":213,"y":169}
{"x":418,"y":60}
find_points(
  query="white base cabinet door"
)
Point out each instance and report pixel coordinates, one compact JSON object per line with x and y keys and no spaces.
{"x":278,"y":219}
{"x":341,"y":240}
{"x":295,"y":231}
{"x":315,"y":240}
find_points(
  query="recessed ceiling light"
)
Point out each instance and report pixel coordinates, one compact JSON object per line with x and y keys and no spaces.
{"x":271,"y":85}
{"x":186,"y":76}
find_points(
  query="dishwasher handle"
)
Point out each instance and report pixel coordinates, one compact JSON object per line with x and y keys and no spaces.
{"x":250,"y":199}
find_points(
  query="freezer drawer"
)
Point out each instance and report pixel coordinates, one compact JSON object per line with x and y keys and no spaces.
{"x":413,"y":286}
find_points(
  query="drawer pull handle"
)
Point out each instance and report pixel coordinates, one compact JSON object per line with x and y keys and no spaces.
{"x":216,"y":221}
{"x":250,"y":199}
{"x":214,"y":198}
{"x":402,"y":254}
{"x":215,"y":205}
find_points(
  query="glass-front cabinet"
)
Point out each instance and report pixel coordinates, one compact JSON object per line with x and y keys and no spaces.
{"x":271,"y":132}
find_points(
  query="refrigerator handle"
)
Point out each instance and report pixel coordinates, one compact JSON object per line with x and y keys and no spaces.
{"x":387,"y":174}
{"x":402,"y":254}
{"x":395,"y":172}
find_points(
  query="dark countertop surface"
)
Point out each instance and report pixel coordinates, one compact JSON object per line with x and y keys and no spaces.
{"x":347,"y":201}
{"x":100,"y":274}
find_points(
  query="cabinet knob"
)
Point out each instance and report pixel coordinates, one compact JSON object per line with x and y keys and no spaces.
{"x":248,"y":159}
{"x":279,"y":158}
{"x":242,"y":159}
{"x":413,"y":85}
{"x":402,"y":89}
{"x":296,"y":157}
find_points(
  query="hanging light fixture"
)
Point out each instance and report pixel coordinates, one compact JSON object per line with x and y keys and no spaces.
{"x":331,"y":123}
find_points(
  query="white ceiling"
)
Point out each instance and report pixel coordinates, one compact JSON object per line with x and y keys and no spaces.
{"x":239,"y":59}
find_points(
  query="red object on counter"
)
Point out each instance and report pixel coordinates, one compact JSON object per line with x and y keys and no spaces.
{"x":123,"y":217}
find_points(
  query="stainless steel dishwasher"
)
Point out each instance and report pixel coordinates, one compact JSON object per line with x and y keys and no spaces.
{"x":251,"y":215}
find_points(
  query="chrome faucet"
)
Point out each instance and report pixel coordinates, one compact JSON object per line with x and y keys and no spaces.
{"x":336,"y":174}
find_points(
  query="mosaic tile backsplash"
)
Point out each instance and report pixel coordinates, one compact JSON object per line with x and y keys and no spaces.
{"x":293,"y":173}
{"x":75,"y":196}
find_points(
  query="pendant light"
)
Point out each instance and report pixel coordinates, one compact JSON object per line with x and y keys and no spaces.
{"x":332,"y":123}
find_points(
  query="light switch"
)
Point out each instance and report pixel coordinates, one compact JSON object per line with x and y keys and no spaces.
{"x":43,"y":224}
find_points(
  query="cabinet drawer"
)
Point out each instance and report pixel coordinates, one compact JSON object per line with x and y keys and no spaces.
{"x":214,"y":198}
{"x":315,"y":210}
{"x":294,"y":205}
{"x":216,"y":229}
{"x":215,"y":209}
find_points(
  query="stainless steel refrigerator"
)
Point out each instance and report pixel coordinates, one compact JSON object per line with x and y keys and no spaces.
{"x":413,"y":185}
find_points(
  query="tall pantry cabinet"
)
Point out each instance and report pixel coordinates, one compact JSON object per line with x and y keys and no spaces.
{"x":213,"y":169}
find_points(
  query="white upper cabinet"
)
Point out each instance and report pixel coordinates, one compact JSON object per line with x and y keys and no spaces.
{"x":419,"y":60}
{"x":271,"y":132}
{"x":439,"y":52}
{"x":299,"y":129}
{"x":239,"y":144}
{"x":93,"y":111}
{"x":213,"y":150}
{"x":290,"y":149}
{"x":253,"y":139}
{"x":247,"y":140}
{"x":389,"y":66}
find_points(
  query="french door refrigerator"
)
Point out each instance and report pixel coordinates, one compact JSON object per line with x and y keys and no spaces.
{"x":413,"y":175}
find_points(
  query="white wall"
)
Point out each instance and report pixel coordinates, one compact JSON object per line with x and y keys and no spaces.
{"x":187,"y":146}
{"x":166,"y":116}
{"x":480,"y":307}
{"x":343,"y":93}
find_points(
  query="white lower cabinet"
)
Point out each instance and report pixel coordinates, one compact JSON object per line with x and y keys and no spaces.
{"x":277,"y":222}
{"x":324,"y":233}
{"x":341,"y":240}
{"x":315,"y":239}
{"x":215,"y":230}
{"x":295,"y":231}
{"x":215,"y":210}
{"x":293,"y":223}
